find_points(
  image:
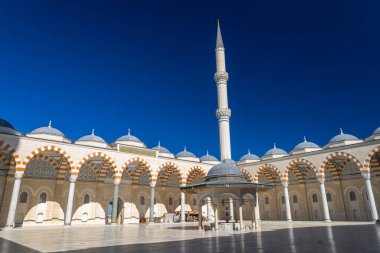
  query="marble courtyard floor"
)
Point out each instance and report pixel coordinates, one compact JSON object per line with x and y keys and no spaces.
{"x":274,"y":236}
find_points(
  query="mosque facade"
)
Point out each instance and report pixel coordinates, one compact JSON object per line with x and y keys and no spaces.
{"x":48,"y":179}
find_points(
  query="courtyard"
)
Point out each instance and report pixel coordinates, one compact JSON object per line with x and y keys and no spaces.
{"x":273,"y":236}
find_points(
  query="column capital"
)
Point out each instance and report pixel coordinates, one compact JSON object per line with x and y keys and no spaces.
{"x":73,"y":178}
{"x":321,"y":180}
{"x":19,"y":174}
{"x":285,"y":184}
{"x":116,"y":181}
{"x":152,"y":184}
{"x":366,"y":176}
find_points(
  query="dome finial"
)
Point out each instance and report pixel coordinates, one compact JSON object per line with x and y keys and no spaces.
{"x":341,"y":131}
{"x":129,"y":131}
{"x":274,"y":145}
{"x":93,"y":132}
{"x":249,"y":151}
{"x":206,"y":151}
{"x":184,"y":148}
{"x":304,"y":139}
{"x":159,"y":143}
{"x":49,"y":123}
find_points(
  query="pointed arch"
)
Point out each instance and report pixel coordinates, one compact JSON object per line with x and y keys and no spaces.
{"x":195,"y":171}
{"x":9,"y":155}
{"x":271,"y":172}
{"x":166,"y":169}
{"x":108,"y":164}
{"x":334,"y":173}
{"x":367,"y":161}
{"x":300,"y":174}
{"x":247,"y":175}
{"x":142,"y":166}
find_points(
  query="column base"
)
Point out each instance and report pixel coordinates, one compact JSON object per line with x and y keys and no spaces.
{"x":290,"y":220}
{"x":8,"y":227}
{"x":327,"y":220}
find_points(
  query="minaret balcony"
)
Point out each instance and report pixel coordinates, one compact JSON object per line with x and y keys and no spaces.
{"x":223,"y":113}
{"x":221,"y":76}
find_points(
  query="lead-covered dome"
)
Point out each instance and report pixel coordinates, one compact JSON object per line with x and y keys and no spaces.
{"x":377,"y":131}
{"x":4,"y":123}
{"x":208,"y":158}
{"x":226,"y":171}
{"x":7,"y":128}
{"x":49,"y":130}
{"x":129,"y":137}
{"x":161,"y":149}
{"x":249,"y":157}
{"x":343,"y":137}
{"x":185,"y":154}
{"x":129,"y":140}
{"x":275,"y":151}
{"x":91,"y":137}
{"x":306,"y":144}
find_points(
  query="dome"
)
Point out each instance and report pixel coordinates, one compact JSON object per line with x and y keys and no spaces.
{"x":161,"y":149}
{"x":129,"y":137}
{"x":343,"y":137}
{"x":225,"y":171}
{"x":91,"y":137}
{"x":185,"y":153}
{"x":208,"y":158}
{"x":306,"y":144}
{"x":47,"y":130}
{"x":376,"y":132}
{"x":248,"y":157}
{"x":275,"y":151}
{"x":4,"y":123}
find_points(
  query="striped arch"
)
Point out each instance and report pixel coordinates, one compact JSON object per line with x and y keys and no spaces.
{"x":75,"y":171}
{"x":293,"y":167}
{"x":9,"y":154}
{"x":331,"y":156}
{"x":193,"y":172}
{"x":247,"y":175}
{"x":367,"y":161}
{"x":171,"y":168}
{"x":29,"y":157}
{"x":266,"y":169}
{"x":143,"y":166}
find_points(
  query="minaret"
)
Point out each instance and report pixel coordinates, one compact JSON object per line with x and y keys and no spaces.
{"x":223,"y":113}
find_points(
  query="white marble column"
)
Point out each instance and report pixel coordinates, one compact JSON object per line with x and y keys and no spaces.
{"x":199,"y":214}
{"x":14,"y":199}
{"x":183,"y":207}
{"x":287,"y":202}
{"x":324,"y":199}
{"x":257,"y":208}
{"x":115,"y":202}
{"x":208,"y":200}
{"x":371,"y":199}
{"x":254,"y":221}
{"x":216,"y":219}
{"x":231,"y":208}
{"x":70,"y":200}
{"x":241,"y":218}
{"x":152,"y":194}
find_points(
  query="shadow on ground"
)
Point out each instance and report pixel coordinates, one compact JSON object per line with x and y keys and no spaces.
{"x":357,"y":238}
{"x":9,"y":246}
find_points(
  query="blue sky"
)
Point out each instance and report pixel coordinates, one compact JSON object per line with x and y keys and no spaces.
{"x":296,"y":68}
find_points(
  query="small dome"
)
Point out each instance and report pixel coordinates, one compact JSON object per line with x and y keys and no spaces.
{"x":92,"y":137}
{"x":306,"y":144}
{"x":185,"y":153}
{"x":208,"y":158}
{"x":47,"y":130}
{"x":129,"y":137}
{"x":343,"y":137}
{"x":275,"y":151}
{"x":226,"y":171}
{"x":4,"y":123}
{"x":248,"y":157}
{"x":161,"y":149}
{"x":376,"y":132}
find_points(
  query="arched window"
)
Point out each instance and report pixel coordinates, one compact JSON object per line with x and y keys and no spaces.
{"x":142,"y":200}
{"x":266,"y":201}
{"x":328,"y":197}
{"x":194,"y":201}
{"x":23,"y":197}
{"x":170,"y":201}
{"x":86,"y":199}
{"x":295,"y":199}
{"x":315,"y":198}
{"x":352,"y":196}
{"x":42,"y":198}
{"x":283,"y":199}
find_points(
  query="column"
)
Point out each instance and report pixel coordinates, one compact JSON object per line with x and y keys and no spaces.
{"x":371,"y":198}
{"x":14,"y":199}
{"x":241,"y":216}
{"x":200,"y":214}
{"x":216,"y":219}
{"x":231,"y":208}
{"x":287,"y":202}
{"x":324,"y":199}
{"x":70,"y":200}
{"x":183,"y":207}
{"x":151,"y":213}
{"x":257,"y":208}
{"x":208,"y":200}
{"x":115,"y":202}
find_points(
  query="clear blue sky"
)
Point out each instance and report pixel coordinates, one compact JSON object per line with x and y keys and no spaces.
{"x":296,"y":68}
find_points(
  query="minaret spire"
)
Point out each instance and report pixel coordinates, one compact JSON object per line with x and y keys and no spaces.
{"x":223,"y":113}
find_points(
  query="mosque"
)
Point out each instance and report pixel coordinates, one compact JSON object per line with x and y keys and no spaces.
{"x":48,"y":179}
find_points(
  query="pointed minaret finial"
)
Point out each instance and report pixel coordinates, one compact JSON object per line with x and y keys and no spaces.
{"x":274,"y":145}
{"x":304,"y":139}
{"x":49,"y":123}
{"x":159,"y":143}
{"x":129,"y":131}
{"x":341,"y":131}
{"x":93,"y":132}
{"x":219,"y":39}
